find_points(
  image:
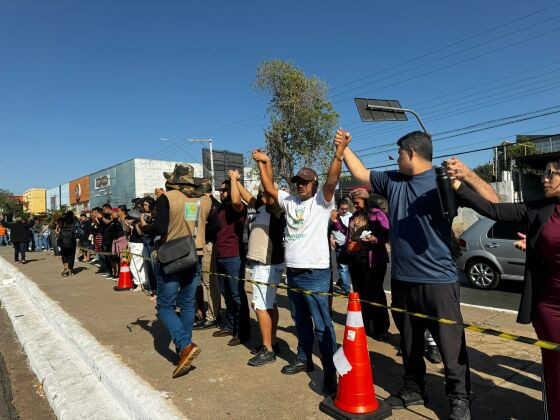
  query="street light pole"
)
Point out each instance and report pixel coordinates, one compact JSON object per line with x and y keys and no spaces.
{"x":209,"y":141}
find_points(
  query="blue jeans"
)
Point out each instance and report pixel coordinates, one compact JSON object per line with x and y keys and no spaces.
{"x":46,"y":243}
{"x":237,"y":319}
{"x":178,"y":290}
{"x":3,"y":240}
{"x":38,"y":241}
{"x":310,"y":311}
{"x":343,"y":271}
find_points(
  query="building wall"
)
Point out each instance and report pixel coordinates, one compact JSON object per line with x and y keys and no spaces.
{"x":79,"y":193}
{"x":53,"y":198}
{"x":149,"y":174}
{"x":65,"y":195}
{"x":35,"y":200}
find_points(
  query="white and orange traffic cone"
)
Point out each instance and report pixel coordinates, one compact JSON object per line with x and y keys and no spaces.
{"x":125,"y":279}
{"x":355,"y":397}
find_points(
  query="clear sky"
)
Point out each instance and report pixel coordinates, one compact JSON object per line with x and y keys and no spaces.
{"x":84,"y":85}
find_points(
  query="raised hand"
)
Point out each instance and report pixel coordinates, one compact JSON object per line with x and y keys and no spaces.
{"x":341,"y":140}
{"x":233,"y":174}
{"x":457,"y":169}
{"x":259,"y":156}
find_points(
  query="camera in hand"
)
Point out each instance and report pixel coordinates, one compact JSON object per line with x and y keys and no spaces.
{"x":136,"y":215}
{"x":445,"y":192}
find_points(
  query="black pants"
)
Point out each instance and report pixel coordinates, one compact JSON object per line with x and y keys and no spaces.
{"x":368,"y":282}
{"x":68,"y":256}
{"x":442,"y":301}
{"x":19,"y":249}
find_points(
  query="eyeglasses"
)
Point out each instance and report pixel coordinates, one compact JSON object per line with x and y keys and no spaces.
{"x":547,"y":174}
{"x":302,"y":182}
{"x":223,"y":190}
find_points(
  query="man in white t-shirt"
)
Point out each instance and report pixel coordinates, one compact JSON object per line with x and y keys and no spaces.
{"x":307,"y":259}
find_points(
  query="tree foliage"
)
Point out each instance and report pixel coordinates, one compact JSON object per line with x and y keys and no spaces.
{"x":302,"y":120}
{"x":9,"y":204}
{"x":511,"y":151}
{"x":485,"y":172}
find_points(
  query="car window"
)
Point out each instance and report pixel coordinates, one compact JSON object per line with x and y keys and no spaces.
{"x":503,"y":230}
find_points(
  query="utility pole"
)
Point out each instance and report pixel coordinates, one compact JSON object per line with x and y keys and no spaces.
{"x":209,"y":141}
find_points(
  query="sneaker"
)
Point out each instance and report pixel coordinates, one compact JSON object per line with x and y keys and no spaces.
{"x":460,"y":410}
{"x":263,"y":357}
{"x":405,"y":398}
{"x":203,"y":323}
{"x":297,"y":366}
{"x":432,"y":354}
{"x":275,"y":348}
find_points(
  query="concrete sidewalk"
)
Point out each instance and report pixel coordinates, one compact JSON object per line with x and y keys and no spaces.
{"x":505,"y":375}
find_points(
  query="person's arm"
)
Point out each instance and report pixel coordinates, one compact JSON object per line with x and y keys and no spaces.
{"x":266,"y":177}
{"x":381,"y":226}
{"x":235,"y":195}
{"x":246,"y":195}
{"x":161,"y":221}
{"x":355,"y":166}
{"x":342,"y":139}
{"x":504,"y":212}
{"x":458,"y":170}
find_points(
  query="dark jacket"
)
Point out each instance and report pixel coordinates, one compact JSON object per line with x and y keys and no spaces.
{"x":19,"y":231}
{"x":534,"y":214}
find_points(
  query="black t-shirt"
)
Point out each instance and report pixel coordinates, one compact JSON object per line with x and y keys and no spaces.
{"x":213,"y":224}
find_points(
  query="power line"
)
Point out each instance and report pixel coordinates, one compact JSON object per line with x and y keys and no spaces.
{"x":438,"y":106}
{"x":455,"y":43}
{"x":497,"y":123}
{"x":454,"y":54}
{"x":445,"y":47}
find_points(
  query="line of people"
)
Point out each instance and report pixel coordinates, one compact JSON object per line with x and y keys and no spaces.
{"x":291,"y":233}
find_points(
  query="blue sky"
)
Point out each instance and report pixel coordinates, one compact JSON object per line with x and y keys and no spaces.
{"x":85,"y":85}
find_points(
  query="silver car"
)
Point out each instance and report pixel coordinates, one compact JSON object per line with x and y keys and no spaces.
{"x":488,"y":254}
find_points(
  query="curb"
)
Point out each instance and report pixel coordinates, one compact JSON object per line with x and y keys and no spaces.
{"x":134,"y":397}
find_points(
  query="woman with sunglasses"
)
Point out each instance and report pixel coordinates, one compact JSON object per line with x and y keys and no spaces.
{"x":540,"y":301}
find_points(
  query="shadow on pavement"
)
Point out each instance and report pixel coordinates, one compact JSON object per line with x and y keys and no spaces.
{"x":161,"y":337}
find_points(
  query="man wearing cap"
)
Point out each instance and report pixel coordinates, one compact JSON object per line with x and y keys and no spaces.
{"x":181,"y":211}
{"x":307,"y":258}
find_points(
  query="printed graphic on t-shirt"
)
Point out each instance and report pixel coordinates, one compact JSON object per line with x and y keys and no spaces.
{"x":296,"y":224}
{"x":191,"y":211}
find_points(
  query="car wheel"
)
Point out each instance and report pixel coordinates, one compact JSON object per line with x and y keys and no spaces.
{"x":482,"y":274}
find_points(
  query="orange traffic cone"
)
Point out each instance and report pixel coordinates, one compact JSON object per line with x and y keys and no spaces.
{"x":125,"y":280}
{"x":355,"y":398}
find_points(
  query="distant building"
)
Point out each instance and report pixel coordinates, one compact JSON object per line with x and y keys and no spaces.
{"x":34,"y":200}
{"x":53,"y":198}
{"x":79,"y":194}
{"x":121,"y":183}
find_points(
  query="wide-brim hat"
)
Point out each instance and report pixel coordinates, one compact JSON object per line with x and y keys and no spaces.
{"x":182,"y":174}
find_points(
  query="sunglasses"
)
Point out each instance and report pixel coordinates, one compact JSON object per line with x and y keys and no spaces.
{"x":547,"y":174}
{"x":302,"y":182}
{"x":223,"y":190}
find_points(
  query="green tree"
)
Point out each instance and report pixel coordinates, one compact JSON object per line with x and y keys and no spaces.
{"x":485,"y":172}
{"x":302,"y":120}
{"x":508,"y":151}
{"x":9,"y":204}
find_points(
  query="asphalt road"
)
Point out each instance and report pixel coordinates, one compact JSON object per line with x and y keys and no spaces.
{"x":506,"y":296}
{"x":21,"y":395}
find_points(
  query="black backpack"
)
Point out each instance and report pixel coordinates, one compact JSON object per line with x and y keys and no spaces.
{"x":67,"y":238}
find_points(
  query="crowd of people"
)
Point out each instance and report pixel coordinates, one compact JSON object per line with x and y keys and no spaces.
{"x":192,"y":250}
